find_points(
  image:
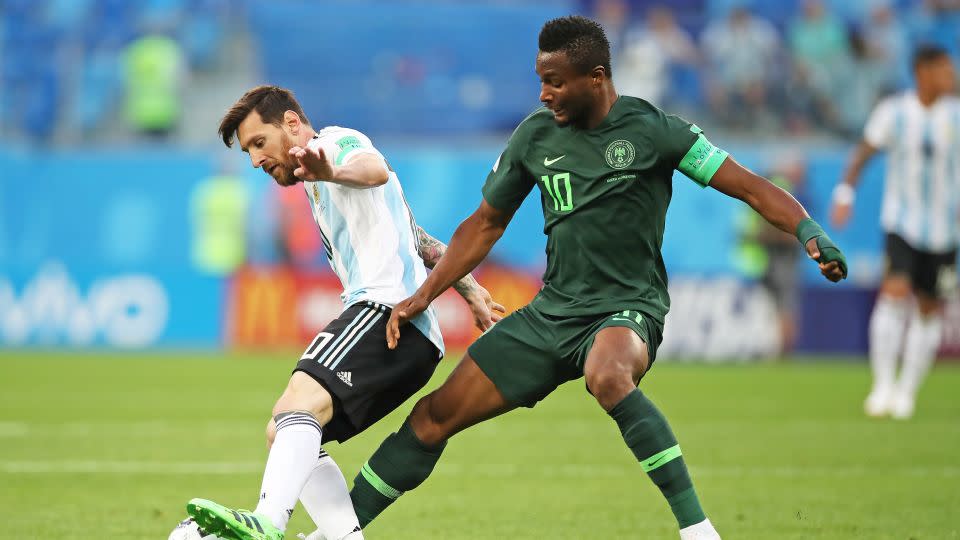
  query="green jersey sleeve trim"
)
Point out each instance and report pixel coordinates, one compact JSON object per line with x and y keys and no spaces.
{"x":702,"y":161}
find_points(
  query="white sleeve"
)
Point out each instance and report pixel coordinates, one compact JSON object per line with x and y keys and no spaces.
{"x":879,"y":129}
{"x":342,"y":144}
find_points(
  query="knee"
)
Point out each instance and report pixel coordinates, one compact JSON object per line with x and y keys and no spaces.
{"x":609,"y":384}
{"x":429,"y":423}
{"x":303,"y":393}
{"x":896,"y":288}
{"x":271,"y":432}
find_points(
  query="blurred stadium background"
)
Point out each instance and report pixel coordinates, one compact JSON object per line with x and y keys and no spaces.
{"x":128,"y":232}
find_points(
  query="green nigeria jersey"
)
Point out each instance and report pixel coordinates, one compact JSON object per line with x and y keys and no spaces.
{"x":604,"y":193}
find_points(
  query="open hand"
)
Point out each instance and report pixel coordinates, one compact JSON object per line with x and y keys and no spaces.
{"x":486,"y":312}
{"x":314,"y":164}
{"x":401,"y":314}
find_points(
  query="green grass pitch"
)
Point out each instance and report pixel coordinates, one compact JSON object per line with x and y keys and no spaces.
{"x":112,"y":446}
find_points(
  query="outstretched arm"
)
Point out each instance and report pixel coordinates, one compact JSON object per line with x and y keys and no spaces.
{"x":470,"y":244}
{"x":486,"y":312}
{"x":782,"y":211}
{"x":362,"y":172}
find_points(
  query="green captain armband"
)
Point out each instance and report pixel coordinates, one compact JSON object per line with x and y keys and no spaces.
{"x":829,"y":252}
{"x":346,"y":144}
{"x":702,"y":160}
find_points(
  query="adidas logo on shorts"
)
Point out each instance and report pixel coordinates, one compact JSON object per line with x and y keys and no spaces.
{"x":345,"y":377}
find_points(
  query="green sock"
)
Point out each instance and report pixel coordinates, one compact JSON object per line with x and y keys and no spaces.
{"x":400,"y":464}
{"x":648,"y":435}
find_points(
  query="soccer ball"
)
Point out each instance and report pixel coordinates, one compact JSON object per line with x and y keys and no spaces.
{"x":189,"y":530}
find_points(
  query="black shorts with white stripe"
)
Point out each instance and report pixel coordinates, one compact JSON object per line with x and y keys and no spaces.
{"x":367,"y":380}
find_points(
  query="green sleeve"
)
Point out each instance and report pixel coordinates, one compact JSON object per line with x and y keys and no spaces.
{"x":684,"y":147}
{"x":509,"y":182}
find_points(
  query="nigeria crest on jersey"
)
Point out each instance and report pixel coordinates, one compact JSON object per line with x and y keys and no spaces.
{"x":620,"y":154}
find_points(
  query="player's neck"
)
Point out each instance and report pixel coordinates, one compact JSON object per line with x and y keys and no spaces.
{"x":927,"y":97}
{"x":607,"y":98}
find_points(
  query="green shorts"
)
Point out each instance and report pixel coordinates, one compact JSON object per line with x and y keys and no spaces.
{"x":530,"y":353}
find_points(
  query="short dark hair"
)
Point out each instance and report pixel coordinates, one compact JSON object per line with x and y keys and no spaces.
{"x":925,"y":54}
{"x":581,"y":39}
{"x":269,"y":101}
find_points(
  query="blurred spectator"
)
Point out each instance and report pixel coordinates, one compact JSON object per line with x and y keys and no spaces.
{"x":937,"y":22}
{"x":298,"y":238}
{"x":886,"y":38}
{"x":651,"y":55}
{"x":770,"y":256}
{"x":614,"y":17}
{"x":153,"y":77}
{"x":818,"y":42}
{"x":742,"y":52}
{"x":862,"y":80}
{"x":218,"y":209}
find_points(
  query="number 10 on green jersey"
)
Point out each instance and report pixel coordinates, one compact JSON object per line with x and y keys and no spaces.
{"x":559,"y":191}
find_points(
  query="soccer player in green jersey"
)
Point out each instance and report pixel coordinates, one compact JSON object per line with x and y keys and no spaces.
{"x":603,"y":164}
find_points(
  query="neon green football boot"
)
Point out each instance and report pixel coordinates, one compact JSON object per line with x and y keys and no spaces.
{"x":232,"y":524}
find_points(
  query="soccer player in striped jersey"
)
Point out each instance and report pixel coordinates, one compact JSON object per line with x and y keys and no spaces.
{"x":920,"y":131}
{"x":603,"y":164}
{"x":347,"y":378}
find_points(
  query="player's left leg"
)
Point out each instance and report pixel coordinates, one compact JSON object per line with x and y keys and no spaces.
{"x":616,"y":361}
{"x":935,"y":279}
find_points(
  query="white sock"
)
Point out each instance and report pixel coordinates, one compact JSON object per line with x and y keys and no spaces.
{"x":886,"y":338}
{"x":923,"y":340}
{"x":327,"y":500}
{"x":292,"y":458}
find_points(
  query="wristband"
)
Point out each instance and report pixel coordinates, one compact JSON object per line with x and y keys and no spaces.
{"x":807,"y":229}
{"x":844,"y":193}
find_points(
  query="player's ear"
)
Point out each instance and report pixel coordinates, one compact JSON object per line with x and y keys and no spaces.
{"x":597,"y":76}
{"x":292,"y":121}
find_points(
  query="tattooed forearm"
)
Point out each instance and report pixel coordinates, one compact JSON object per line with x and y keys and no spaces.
{"x":431,"y":250}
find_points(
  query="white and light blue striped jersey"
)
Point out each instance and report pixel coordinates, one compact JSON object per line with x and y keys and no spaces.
{"x":369,"y":234}
{"x":921,"y":198}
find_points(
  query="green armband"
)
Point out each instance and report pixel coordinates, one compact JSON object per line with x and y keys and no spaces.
{"x":829,"y":252}
{"x":702,"y":161}
{"x":346,"y":144}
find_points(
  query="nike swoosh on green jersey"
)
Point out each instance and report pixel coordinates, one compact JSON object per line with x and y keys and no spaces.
{"x":548,"y":162}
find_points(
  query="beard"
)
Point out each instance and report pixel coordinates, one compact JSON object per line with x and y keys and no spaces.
{"x":576,"y":111}
{"x":282,"y":172}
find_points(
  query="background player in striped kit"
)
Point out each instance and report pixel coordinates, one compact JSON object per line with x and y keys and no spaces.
{"x":920,"y":130}
{"x":347,"y":378}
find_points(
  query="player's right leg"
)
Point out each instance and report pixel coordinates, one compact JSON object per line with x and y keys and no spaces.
{"x":301,"y":417}
{"x":934,"y":280}
{"x":298,"y":417}
{"x":512,"y":364}
{"x":406,"y":458}
{"x":887,"y":323}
